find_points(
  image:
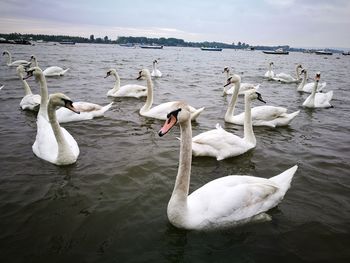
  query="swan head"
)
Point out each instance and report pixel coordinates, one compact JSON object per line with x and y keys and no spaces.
{"x":303,"y":71}
{"x":111,"y":72}
{"x":233,"y":79}
{"x":21,"y":70}
{"x":253,"y":95}
{"x":32,"y":58}
{"x":271,"y":64}
{"x":33,"y":71}
{"x":299,"y":66}
{"x":61,"y":100}
{"x":5,"y":53}
{"x":179,"y":114}
{"x":144,"y":73}
{"x":155,"y":61}
{"x":226,"y":69}
{"x":318,"y":76}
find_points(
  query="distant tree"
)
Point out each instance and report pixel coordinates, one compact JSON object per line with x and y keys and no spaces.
{"x":106,"y":38}
{"x":239,"y":44}
{"x":233,"y":43}
{"x":92,"y":38}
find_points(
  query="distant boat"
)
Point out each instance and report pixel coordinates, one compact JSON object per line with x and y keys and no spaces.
{"x":127,"y":45}
{"x":211,"y":49}
{"x":67,"y":43}
{"x":151,"y":47}
{"x":278,"y":51}
{"x":323,"y":52}
{"x":346,"y":53}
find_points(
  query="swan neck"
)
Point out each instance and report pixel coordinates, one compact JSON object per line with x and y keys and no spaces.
{"x":27,"y":90}
{"x":232,"y":104}
{"x":182,"y":182}
{"x":44,"y":96}
{"x":9,"y":58}
{"x":248,"y":125}
{"x":149,"y":100}
{"x":297,"y":73}
{"x":36,"y":63}
{"x":117,"y":83}
{"x":63,"y":147}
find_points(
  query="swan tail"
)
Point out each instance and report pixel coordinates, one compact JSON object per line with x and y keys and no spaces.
{"x":218,"y":126}
{"x":293,"y":114}
{"x":284,"y":179}
{"x":195,"y":114}
{"x":106,"y":108}
{"x":64,"y":71}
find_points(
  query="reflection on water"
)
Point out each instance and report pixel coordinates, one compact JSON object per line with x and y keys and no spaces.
{"x":111,"y":205}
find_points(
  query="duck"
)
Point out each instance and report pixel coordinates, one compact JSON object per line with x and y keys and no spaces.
{"x":286,"y":78}
{"x":225,"y":202}
{"x":87,"y":110}
{"x":221,"y":144}
{"x":14,"y":63}
{"x":52,"y":71}
{"x":159,"y":112}
{"x":30,"y":101}
{"x":316,"y":99}
{"x":270,"y":74}
{"x":308,"y":87}
{"x":53,"y":143}
{"x":243,"y":88}
{"x":155,"y":72}
{"x":130,"y":90}
{"x":270,"y":116}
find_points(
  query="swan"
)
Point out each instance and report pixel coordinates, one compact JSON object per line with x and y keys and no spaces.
{"x":318,"y":100}
{"x":243,"y":88}
{"x":308,"y":87}
{"x":14,"y":63}
{"x":221,"y":144}
{"x":270,"y":116}
{"x":52,"y":71}
{"x":224,"y":202}
{"x":87,"y":110}
{"x":130,"y":90}
{"x":1,"y":86}
{"x":155,"y":71}
{"x":286,"y":78}
{"x":159,"y":111}
{"x":270,"y":74}
{"x":30,"y":101}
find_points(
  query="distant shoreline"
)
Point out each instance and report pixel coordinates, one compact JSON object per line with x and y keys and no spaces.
{"x":17,"y":38}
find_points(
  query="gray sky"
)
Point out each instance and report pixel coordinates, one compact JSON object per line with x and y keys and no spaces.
{"x":298,"y":23}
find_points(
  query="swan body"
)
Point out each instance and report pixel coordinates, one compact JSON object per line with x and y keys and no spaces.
{"x":130,"y":90}
{"x":243,"y":88}
{"x":267,"y":115}
{"x":318,"y":100}
{"x":30,"y":101}
{"x":160,"y":111}
{"x":87,"y":111}
{"x":221,"y":144}
{"x":308,"y":87}
{"x":52,"y":71}
{"x":14,"y":63}
{"x":286,"y":78}
{"x":52,"y":143}
{"x":224,"y":202}
{"x":1,"y":86}
{"x":270,"y":74}
{"x":155,"y":72}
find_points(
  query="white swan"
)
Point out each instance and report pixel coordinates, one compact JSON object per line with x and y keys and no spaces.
{"x":286,"y":78}
{"x":1,"y":86}
{"x":270,"y":116}
{"x":221,"y":144}
{"x":30,"y":101}
{"x":52,"y":71}
{"x":224,"y":202}
{"x":87,"y":110}
{"x":155,"y":71}
{"x":308,"y":87}
{"x":243,"y":88}
{"x":270,"y":74}
{"x":318,"y":100}
{"x":160,"y":111}
{"x":14,"y":63}
{"x":130,"y":90}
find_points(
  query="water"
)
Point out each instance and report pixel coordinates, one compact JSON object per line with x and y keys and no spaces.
{"x":111,"y":205}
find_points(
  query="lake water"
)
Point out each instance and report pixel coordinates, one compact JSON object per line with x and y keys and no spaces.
{"x":110,"y":206}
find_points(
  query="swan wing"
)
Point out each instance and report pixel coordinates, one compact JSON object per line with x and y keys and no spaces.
{"x":160,"y":111}
{"x":232,"y":199}
{"x":267,"y":112}
{"x":132,"y":90}
{"x":30,"y":102}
